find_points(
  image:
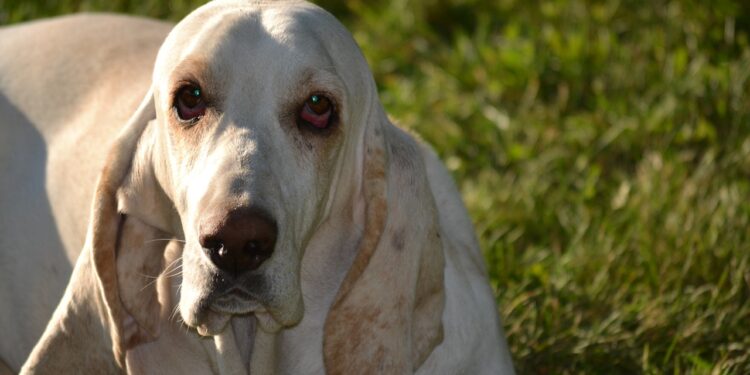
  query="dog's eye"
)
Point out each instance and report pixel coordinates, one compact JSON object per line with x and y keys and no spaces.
{"x":189,"y":102}
{"x":317,"y":111}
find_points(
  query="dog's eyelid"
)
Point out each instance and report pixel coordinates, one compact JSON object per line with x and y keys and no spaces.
{"x":185,"y":122}
{"x":178,"y":84}
{"x":190,"y":103}
{"x":316,"y":108}
{"x":332,"y":93}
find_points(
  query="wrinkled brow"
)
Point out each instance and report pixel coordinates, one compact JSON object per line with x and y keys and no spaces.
{"x":192,"y":69}
{"x":322,"y":78}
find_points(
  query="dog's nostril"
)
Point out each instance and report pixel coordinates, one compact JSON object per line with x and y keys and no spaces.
{"x":242,"y":241}
{"x":252,"y":246}
{"x":256,"y":248}
{"x":211,"y":247}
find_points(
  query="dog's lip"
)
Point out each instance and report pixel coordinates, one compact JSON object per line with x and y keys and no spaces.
{"x":232,"y":303}
{"x":236,"y":301}
{"x":213,"y":324}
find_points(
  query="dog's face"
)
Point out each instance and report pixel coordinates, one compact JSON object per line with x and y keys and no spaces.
{"x":254,"y":121}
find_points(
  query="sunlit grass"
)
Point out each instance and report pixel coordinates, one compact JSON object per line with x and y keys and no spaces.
{"x":603,"y":149}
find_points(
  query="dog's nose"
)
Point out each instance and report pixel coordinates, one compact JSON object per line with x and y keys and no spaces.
{"x":239,"y":241}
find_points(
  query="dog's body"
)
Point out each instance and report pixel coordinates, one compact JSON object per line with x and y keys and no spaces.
{"x":67,"y":86}
{"x":54,"y":118}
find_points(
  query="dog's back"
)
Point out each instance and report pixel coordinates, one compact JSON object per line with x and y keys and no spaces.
{"x":66,"y":87}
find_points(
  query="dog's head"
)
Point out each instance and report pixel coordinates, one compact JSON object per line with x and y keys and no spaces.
{"x":262,"y":123}
{"x":256,"y":111}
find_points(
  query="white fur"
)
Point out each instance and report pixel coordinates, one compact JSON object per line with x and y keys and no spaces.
{"x":58,"y":119}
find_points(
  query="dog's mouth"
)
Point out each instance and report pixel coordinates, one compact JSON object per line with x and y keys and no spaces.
{"x":210,"y":296}
{"x":209,"y":309}
{"x":236,"y":301}
{"x":211,"y":313}
{"x":215,"y":320}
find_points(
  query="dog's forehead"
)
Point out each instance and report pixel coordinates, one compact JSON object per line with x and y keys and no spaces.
{"x":228,"y":36}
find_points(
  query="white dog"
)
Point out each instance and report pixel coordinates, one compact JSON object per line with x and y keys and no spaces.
{"x":260,"y":175}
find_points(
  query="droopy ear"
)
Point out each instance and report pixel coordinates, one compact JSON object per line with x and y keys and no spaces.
{"x":126,"y":256}
{"x":387,"y":315}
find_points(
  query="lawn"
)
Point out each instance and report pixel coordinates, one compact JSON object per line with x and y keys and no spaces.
{"x":603,"y":150}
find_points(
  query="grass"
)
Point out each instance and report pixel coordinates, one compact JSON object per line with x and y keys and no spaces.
{"x":603,"y":150}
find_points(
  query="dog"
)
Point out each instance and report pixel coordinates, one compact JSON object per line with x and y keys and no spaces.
{"x":295,"y":228}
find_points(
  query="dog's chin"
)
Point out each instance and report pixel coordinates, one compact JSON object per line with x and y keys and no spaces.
{"x":209,"y":302}
{"x":235,"y":303}
{"x":208,"y":322}
{"x":209,"y":315}
{"x":214,"y":319}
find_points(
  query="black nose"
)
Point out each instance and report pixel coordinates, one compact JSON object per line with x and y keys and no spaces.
{"x":240,"y":240}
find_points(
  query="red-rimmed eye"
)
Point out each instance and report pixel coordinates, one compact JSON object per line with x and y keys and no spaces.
{"x":189,"y":102}
{"x":317,"y":111}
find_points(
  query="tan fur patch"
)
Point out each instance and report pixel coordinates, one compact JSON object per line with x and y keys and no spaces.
{"x":379,"y":322}
{"x":105,"y":222}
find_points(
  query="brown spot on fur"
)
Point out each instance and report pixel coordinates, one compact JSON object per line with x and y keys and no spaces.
{"x":348,"y":322}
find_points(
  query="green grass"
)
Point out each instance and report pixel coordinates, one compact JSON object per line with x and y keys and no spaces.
{"x":603,"y":149}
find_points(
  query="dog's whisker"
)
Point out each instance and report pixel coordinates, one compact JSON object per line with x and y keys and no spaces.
{"x":154,"y":279}
{"x":174,"y":313}
{"x":174,"y":275}
{"x":174,"y":265}
{"x":173,"y":269}
{"x":164,"y":239}
{"x":173,"y":272}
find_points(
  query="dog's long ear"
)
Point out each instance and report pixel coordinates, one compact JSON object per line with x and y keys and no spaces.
{"x":387,"y":315}
{"x":127,"y":251}
{"x":111,"y":302}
